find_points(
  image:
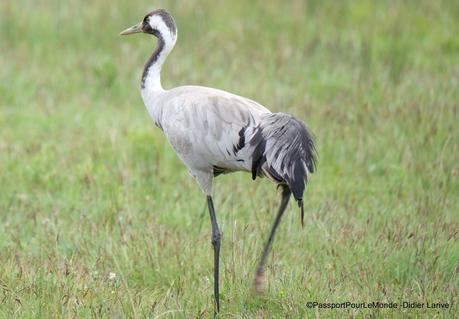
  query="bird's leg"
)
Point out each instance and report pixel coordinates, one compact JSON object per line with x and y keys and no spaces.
{"x":258,"y":283}
{"x":216,"y":237}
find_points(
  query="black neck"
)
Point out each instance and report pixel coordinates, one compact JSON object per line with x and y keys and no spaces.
{"x":153,"y":58}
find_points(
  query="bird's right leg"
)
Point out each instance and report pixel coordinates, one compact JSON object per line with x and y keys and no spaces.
{"x":260,"y":272}
{"x":216,"y":237}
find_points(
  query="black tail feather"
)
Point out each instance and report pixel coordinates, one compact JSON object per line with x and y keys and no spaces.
{"x":300,"y":204}
{"x":284,"y":150}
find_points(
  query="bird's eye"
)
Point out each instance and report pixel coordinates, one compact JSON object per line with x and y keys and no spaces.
{"x":146,"y":27}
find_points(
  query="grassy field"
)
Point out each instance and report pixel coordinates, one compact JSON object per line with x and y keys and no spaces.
{"x":99,"y":218}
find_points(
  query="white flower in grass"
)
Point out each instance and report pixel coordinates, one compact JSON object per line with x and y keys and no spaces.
{"x":111,"y":276}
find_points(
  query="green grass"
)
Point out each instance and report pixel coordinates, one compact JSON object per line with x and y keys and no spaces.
{"x":88,"y":186}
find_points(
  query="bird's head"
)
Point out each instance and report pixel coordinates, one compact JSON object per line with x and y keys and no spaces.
{"x":158,"y":23}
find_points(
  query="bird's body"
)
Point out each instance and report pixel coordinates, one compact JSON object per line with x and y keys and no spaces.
{"x":216,"y":132}
{"x":203,"y":125}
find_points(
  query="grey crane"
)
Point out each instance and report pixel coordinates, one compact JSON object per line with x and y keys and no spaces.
{"x":215,"y":132}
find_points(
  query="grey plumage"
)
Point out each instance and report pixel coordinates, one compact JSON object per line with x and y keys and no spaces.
{"x":283,"y":150}
{"x":216,"y":132}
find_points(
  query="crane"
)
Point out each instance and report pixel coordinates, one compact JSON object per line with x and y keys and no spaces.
{"x":216,"y":132}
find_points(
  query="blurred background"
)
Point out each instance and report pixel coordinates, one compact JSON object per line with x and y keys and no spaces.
{"x":98,"y":217}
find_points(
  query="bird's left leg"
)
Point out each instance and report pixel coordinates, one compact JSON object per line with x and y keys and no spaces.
{"x":216,"y":237}
{"x":204,"y":180}
{"x":260,"y":272}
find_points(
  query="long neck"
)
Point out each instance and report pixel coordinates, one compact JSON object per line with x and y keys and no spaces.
{"x":151,"y":77}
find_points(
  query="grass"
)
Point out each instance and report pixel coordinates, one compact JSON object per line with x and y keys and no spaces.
{"x":89,"y":187}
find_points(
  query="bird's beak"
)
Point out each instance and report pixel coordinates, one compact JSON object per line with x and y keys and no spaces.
{"x":134,"y":29}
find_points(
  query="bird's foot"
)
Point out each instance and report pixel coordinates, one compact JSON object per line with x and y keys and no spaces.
{"x":259,"y":281}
